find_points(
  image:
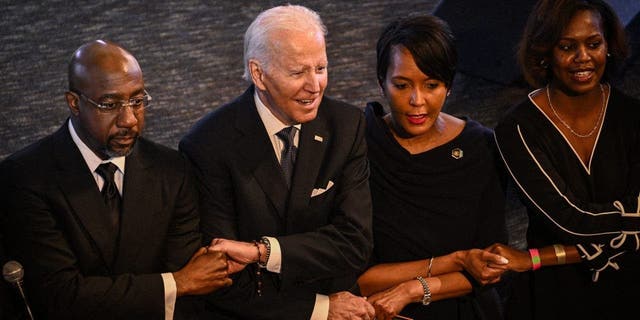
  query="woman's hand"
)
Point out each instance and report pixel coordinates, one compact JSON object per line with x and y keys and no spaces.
{"x":390,"y":302}
{"x":485,"y":266}
{"x":519,"y":260}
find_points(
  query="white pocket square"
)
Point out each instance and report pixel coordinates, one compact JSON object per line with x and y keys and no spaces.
{"x":319,"y":191}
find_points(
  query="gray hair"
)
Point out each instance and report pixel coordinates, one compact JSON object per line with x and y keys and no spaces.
{"x":257,"y":42}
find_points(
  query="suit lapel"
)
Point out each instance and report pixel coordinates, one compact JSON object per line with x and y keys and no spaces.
{"x":256,"y":152}
{"x":79,"y":187}
{"x":138,"y":205}
{"x":314,"y":138}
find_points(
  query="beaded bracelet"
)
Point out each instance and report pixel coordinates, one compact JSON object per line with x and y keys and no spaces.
{"x":258,"y":272}
{"x":426,"y":297}
{"x":267,"y":245}
{"x":257,"y":245}
{"x":535,"y":259}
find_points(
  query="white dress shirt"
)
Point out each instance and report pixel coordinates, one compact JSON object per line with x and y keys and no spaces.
{"x":93,"y":161}
{"x":273,"y":126}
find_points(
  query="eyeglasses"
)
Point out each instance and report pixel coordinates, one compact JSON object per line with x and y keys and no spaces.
{"x":136,"y":103}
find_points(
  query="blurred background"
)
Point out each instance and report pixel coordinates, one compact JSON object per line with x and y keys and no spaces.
{"x":191,"y":54}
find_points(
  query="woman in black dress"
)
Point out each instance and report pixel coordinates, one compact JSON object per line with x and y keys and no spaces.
{"x":573,"y":148}
{"x":435,"y":190}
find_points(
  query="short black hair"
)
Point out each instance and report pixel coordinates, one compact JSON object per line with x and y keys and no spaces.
{"x":429,"y":40}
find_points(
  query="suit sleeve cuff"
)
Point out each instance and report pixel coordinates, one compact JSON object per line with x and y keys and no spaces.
{"x":274,"y":264}
{"x":170,"y":292}
{"x":321,"y":308}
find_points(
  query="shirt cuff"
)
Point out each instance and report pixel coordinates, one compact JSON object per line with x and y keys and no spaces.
{"x":320,"y":308}
{"x":170,"y":292}
{"x":274,"y":264}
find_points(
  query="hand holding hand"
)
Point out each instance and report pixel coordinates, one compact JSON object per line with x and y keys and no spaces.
{"x":519,"y":260}
{"x":240,"y":253}
{"x":344,"y":305}
{"x":390,"y":302}
{"x":485,"y":266}
{"x":205,"y":272}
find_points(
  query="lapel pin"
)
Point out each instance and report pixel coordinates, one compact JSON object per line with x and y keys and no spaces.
{"x":457,"y":153}
{"x":318,"y":138}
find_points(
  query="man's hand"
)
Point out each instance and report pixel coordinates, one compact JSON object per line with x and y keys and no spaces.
{"x":344,"y":305}
{"x":205,"y":272}
{"x":390,"y":302}
{"x":240,"y":253}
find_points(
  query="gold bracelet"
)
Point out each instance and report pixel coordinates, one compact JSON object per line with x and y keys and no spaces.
{"x":429,"y":268}
{"x":561,"y":255}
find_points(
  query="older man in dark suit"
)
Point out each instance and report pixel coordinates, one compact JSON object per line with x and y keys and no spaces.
{"x":286,"y":168}
{"x":125,"y":252}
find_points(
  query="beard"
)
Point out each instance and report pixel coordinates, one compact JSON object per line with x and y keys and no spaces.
{"x":114,"y":149}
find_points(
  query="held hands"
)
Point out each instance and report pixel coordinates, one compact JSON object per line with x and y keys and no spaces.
{"x":390,"y":302}
{"x":344,"y":305}
{"x":205,"y":272}
{"x":484,"y":265}
{"x":519,"y":260}
{"x":240,"y":253}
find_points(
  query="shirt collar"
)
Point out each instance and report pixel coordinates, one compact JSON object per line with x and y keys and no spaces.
{"x":92,"y":160}
{"x":271,"y":123}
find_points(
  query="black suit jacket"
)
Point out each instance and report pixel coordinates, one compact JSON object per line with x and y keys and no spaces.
{"x":325,"y":238}
{"x":55,"y":220}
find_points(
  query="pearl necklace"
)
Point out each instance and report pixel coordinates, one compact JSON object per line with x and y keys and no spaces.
{"x":568,"y":127}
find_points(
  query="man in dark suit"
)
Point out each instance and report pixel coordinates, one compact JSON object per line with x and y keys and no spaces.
{"x":121,"y":255}
{"x":303,"y":196}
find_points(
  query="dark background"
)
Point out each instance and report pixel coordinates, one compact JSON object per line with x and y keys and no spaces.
{"x":191,"y":55}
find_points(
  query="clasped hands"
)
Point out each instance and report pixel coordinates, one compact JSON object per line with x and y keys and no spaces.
{"x":342,"y":305}
{"x":209,"y":268}
{"x":239,"y":253}
{"x":485,"y":266}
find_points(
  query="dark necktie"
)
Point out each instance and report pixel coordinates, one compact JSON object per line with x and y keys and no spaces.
{"x":288,"y":156}
{"x":110,"y":192}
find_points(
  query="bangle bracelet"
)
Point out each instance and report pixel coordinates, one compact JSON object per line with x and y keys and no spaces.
{"x":430,"y":265}
{"x":426,"y":297}
{"x":561,"y":255}
{"x":267,"y":245}
{"x":535,"y":259}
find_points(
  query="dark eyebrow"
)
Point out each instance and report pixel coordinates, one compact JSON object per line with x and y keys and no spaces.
{"x":400,"y":78}
{"x":591,"y":36}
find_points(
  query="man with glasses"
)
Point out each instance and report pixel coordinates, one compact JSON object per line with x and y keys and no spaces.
{"x":104,"y":221}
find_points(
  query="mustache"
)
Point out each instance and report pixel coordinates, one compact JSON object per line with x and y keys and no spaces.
{"x":125,"y":134}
